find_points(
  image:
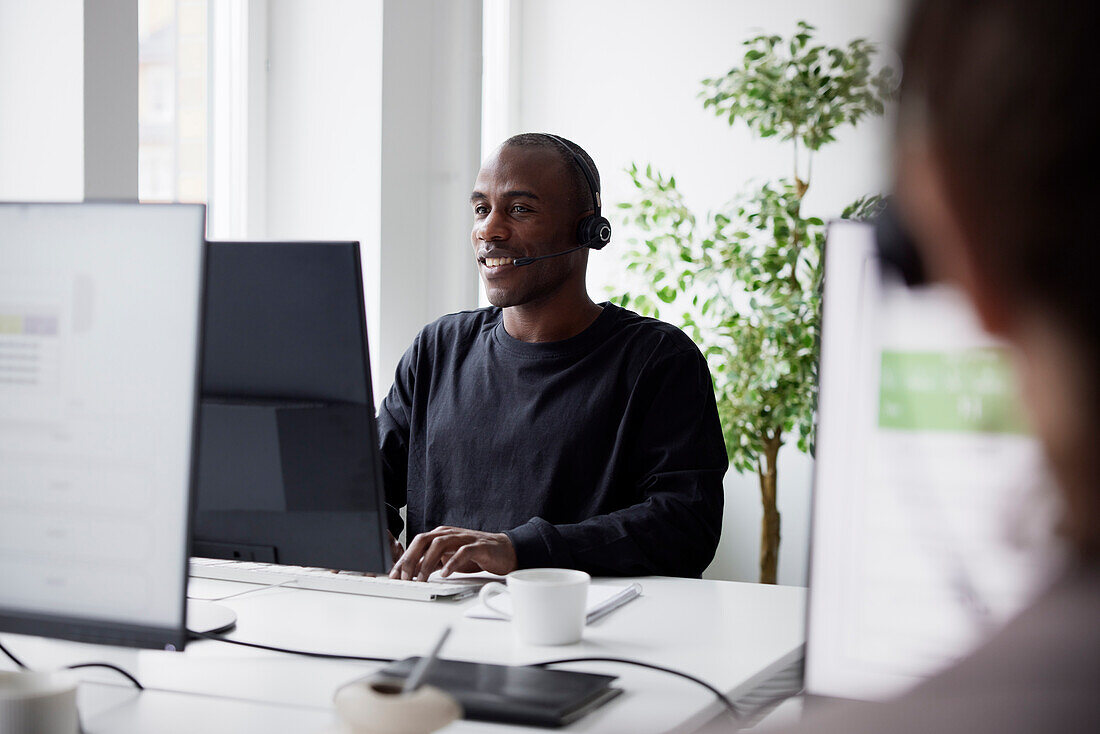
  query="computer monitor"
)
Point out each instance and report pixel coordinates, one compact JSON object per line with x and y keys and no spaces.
{"x":289,"y":470}
{"x":928,"y":506}
{"x":100,"y":307}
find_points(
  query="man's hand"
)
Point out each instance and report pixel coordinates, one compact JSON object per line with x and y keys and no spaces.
{"x":455,"y":549}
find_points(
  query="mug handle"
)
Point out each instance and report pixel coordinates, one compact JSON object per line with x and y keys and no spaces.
{"x":490,"y":590}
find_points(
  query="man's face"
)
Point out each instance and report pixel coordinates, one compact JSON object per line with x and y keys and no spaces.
{"x":522,"y":208}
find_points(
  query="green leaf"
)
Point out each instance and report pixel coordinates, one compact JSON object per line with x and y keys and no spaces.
{"x":747,"y":286}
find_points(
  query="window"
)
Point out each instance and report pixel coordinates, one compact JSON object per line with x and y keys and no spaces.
{"x":172,"y":110}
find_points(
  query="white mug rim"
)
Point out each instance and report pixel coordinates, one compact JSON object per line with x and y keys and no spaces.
{"x":40,"y":684}
{"x":571,"y":577}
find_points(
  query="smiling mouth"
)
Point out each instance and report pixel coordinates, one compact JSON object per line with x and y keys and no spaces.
{"x":496,"y":262}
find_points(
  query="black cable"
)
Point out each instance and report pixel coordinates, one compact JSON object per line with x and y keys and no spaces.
{"x":721,"y":696}
{"x":305,"y":653}
{"x":17,"y":661}
{"x":728,"y":704}
{"x":120,"y":671}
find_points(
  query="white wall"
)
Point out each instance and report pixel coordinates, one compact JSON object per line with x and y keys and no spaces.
{"x":42,"y":100}
{"x":621,"y":79}
{"x":372,"y":116}
{"x":431,"y":132}
{"x":324,"y":120}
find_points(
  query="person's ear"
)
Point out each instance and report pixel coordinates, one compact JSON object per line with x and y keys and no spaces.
{"x":948,"y":252}
{"x":992,"y":304}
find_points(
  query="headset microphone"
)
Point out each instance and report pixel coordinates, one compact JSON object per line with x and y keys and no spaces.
{"x":519,"y":262}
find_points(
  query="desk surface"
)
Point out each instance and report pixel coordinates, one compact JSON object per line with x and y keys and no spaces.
{"x":733,"y":635}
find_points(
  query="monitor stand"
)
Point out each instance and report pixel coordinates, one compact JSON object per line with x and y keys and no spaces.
{"x":207,"y":618}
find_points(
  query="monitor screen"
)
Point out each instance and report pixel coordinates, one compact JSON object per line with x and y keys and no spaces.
{"x":929,"y":509}
{"x":100,"y":307}
{"x":288,"y":462}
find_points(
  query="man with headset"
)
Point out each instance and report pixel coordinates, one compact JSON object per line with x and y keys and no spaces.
{"x":548,"y":430}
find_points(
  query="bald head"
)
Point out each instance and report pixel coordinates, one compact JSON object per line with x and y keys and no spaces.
{"x":580,"y":194}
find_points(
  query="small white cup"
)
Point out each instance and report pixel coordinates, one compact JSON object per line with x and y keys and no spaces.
{"x":548,"y":604}
{"x":38,"y":703}
{"x":378,"y":707}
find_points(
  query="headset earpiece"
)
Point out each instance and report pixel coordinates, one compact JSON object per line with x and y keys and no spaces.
{"x":594,"y":231}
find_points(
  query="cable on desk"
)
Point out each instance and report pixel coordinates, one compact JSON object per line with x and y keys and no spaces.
{"x":730,"y":706}
{"x":120,"y":671}
{"x":18,"y":663}
{"x":304,"y":653}
{"x":109,"y":666}
{"x":242,"y":593}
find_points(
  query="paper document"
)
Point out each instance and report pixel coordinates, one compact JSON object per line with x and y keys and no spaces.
{"x":602,"y":600}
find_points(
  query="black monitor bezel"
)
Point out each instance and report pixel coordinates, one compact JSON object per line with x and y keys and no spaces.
{"x":372,"y":425}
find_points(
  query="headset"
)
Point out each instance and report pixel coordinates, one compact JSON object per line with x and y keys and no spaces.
{"x":897,"y":249}
{"x":594,"y":230}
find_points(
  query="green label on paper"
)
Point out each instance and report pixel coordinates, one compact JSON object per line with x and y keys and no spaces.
{"x":11,"y":323}
{"x":971,"y":390}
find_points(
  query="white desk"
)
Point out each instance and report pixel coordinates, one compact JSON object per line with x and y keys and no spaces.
{"x":733,"y":635}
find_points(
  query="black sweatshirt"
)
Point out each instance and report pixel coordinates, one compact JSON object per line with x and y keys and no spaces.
{"x":602,"y":452}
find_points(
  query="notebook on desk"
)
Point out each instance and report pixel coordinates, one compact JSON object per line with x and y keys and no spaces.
{"x":602,"y":600}
{"x":514,"y":694}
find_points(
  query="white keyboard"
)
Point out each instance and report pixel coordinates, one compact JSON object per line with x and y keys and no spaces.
{"x":323,"y":579}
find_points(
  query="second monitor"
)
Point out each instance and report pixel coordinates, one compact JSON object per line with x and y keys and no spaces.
{"x":288,"y":470}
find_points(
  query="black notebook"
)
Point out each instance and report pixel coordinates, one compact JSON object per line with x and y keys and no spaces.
{"x":514,"y":694}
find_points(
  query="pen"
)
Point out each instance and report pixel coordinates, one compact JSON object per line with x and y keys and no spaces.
{"x":420,"y":670}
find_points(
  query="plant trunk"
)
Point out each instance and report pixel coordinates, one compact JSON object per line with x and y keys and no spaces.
{"x":769,"y":529}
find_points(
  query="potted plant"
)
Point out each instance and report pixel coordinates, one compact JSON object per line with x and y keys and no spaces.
{"x":745,"y":281}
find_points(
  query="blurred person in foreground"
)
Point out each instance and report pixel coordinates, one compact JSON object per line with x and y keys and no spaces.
{"x":997,"y":162}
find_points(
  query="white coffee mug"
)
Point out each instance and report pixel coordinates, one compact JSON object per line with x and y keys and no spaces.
{"x":38,"y":703}
{"x":548,"y":604}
